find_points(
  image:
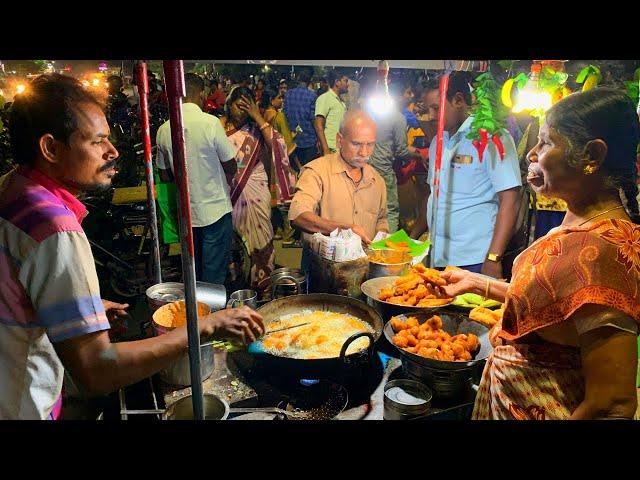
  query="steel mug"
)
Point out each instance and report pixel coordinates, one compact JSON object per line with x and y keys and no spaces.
{"x":243,"y":297}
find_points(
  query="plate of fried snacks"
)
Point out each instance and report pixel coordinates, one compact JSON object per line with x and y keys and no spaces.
{"x":415,"y":289}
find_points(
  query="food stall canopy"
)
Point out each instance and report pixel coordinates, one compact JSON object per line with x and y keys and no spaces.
{"x":416,"y":64}
{"x":419,"y":64}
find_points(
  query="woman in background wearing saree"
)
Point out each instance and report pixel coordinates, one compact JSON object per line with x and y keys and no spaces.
{"x":566,"y":347}
{"x":257,"y":145}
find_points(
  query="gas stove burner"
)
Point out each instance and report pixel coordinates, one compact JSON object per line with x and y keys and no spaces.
{"x":307,"y":382}
{"x":320,"y":400}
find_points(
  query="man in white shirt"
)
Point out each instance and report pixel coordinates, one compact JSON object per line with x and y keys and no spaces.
{"x":210,"y":158}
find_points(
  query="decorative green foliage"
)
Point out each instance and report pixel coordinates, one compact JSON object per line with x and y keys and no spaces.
{"x":633,"y":90}
{"x":488,"y":111}
{"x":586,"y":71}
{"x":550,"y":80}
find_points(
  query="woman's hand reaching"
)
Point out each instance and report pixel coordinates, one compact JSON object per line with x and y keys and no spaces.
{"x":461,"y":281}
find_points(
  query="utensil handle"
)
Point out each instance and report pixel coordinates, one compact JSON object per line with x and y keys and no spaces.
{"x":263,"y":409}
{"x":354,"y":337}
{"x":232,"y":302}
{"x":144,"y":412}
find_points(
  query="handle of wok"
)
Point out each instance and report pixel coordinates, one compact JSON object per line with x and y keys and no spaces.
{"x":143,"y":412}
{"x":279,"y":282}
{"x":354,"y":337}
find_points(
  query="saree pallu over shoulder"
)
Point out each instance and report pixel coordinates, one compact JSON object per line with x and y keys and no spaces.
{"x":250,"y":146}
{"x":571,"y":267}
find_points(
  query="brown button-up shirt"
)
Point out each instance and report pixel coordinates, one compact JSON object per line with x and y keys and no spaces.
{"x":324,"y":188}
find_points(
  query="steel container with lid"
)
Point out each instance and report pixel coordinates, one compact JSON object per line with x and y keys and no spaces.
{"x":212,"y":294}
{"x":288,"y":281}
{"x":405,"y":399}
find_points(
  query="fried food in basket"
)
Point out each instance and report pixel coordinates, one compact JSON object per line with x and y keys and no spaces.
{"x":486,"y":317}
{"x":430,"y":341}
{"x":415,"y":289}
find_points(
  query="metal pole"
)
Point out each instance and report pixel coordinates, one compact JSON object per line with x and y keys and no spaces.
{"x":444,"y":85}
{"x":174,"y":83}
{"x":143,"y":91}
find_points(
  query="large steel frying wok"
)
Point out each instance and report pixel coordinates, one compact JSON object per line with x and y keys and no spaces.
{"x":322,"y":367}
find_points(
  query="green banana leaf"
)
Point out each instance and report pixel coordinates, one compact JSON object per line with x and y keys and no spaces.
{"x":472,"y":300}
{"x":415,"y":249}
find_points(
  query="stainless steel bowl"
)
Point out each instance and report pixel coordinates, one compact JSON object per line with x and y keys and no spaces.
{"x":405,"y":399}
{"x":386,"y":268}
{"x":210,"y":293}
{"x":179,"y":372}
{"x":377,"y":270}
{"x":446,"y":379}
{"x":215,"y":408}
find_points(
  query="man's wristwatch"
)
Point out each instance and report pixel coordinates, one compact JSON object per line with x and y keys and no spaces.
{"x":494,"y":257}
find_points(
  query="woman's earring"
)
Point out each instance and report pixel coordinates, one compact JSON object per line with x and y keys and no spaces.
{"x":589,"y":169}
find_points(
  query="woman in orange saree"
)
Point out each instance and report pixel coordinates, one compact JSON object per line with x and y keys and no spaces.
{"x":566,"y":347}
{"x":258,"y":146}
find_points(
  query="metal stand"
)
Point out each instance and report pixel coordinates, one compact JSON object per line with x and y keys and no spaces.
{"x":143,"y":90}
{"x":174,"y":82}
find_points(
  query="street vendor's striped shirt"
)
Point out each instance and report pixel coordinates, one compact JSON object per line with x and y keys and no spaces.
{"x":49,"y":290}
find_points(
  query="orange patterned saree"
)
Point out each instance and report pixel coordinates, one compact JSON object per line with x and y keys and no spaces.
{"x":554,"y":277}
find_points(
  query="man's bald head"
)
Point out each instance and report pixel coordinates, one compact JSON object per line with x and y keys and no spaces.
{"x":355,"y":119}
{"x":356,"y":138}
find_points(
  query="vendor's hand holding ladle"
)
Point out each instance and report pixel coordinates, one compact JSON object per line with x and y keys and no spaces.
{"x":240,"y":324}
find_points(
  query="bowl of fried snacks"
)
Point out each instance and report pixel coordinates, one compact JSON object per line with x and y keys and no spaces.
{"x":444,"y":341}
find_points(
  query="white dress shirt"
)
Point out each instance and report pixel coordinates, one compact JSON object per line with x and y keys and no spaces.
{"x":207,"y":146}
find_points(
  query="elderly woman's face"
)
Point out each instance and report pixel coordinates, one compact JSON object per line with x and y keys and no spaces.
{"x":549,"y":170}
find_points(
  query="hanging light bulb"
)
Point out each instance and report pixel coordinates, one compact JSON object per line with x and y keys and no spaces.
{"x":533,"y":98}
{"x":381,"y":102}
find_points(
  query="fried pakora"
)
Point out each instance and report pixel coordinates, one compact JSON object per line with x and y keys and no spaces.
{"x":428,"y":340}
{"x":416,"y":288}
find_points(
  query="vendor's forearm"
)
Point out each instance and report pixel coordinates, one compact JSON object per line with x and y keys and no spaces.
{"x":312,"y":223}
{"x":505,"y":220}
{"x":102,"y":367}
{"x":129,"y":362}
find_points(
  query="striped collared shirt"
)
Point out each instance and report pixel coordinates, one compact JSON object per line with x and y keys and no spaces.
{"x":49,"y":290}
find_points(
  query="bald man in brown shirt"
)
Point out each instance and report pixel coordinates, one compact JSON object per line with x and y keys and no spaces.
{"x":341,"y":190}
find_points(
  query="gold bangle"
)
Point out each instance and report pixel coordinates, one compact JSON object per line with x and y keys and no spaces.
{"x":265,"y":125}
{"x":486,"y":291}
